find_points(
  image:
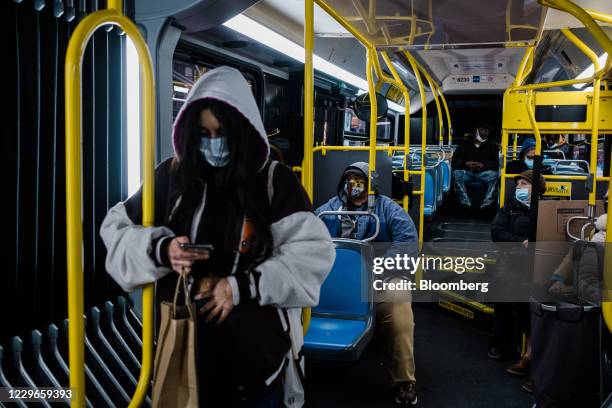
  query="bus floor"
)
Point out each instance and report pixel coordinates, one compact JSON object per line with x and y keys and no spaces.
{"x":452,"y":370}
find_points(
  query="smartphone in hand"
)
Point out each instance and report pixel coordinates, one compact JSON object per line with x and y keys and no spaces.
{"x":196,"y":247}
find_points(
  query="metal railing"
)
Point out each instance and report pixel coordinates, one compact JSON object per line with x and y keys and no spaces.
{"x":74,"y":228}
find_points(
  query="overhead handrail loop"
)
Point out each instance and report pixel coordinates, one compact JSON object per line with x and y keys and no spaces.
{"x":74,"y":228}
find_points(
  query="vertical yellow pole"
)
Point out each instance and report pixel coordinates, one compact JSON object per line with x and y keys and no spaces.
{"x":406,"y":95}
{"x":502,"y":176}
{"x":594,"y":112}
{"x":147,"y":86}
{"x":307,"y":162}
{"x":74,"y":229}
{"x":536,"y":130}
{"x":448,"y":118}
{"x":371,"y":54}
{"x":432,"y":87}
{"x":417,"y":75}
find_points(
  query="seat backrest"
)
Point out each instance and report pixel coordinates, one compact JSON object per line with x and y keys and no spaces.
{"x":348,"y":285}
{"x":430,"y":188}
{"x":446,"y":173}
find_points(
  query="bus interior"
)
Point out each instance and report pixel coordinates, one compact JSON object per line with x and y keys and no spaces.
{"x":438,"y":69}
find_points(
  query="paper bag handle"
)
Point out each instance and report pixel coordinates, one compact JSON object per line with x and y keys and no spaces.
{"x":182,"y":278}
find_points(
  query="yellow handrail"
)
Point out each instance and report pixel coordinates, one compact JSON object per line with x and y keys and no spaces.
{"x":371,"y":56}
{"x":308,"y":161}
{"x":595,"y":111}
{"x":417,"y":75}
{"x":74,"y":228}
{"x":406,"y":94}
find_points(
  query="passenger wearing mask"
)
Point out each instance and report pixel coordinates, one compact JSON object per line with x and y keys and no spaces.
{"x":394,"y":318}
{"x":270,"y":257}
{"x":525,"y":159}
{"x":556,"y":143}
{"x":513,"y":223}
{"x":476,"y":160}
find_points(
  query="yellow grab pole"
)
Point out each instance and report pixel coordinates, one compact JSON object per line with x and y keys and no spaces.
{"x":74,"y":229}
{"x":406,"y":95}
{"x":448,"y":117}
{"x":502,"y":181}
{"x":415,"y":69}
{"x":371,"y":55}
{"x":597,"y":15}
{"x":534,"y":125}
{"x":595,"y":111}
{"x":438,"y":109}
{"x":524,"y":68}
{"x":606,"y":304}
{"x":307,"y":163}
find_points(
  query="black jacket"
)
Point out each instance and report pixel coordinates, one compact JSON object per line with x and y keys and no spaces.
{"x":512,"y":223}
{"x":487,"y":153}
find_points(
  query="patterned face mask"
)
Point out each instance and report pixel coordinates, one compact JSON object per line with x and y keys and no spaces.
{"x":355,"y":188}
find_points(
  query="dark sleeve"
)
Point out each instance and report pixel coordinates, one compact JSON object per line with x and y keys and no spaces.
{"x":133,"y":208}
{"x":515,"y":167}
{"x":133,"y":205}
{"x":491,"y":159}
{"x":500,"y":228}
{"x":459,"y":157}
{"x":288,"y":194}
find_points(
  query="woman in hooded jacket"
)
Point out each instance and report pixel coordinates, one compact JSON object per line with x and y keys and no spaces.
{"x":221,"y":189}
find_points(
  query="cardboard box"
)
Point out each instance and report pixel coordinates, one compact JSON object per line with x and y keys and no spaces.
{"x":553,"y":216}
{"x":552,"y":242}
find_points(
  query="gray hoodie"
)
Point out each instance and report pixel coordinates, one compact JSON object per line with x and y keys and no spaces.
{"x":302,"y":253}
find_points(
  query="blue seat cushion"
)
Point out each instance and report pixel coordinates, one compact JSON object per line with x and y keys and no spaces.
{"x":333,"y":334}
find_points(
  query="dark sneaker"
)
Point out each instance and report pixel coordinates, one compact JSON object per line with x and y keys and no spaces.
{"x":528,"y":387}
{"x":405,"y":393}
{"x":520,"y":369}
{"x":495,"y":353}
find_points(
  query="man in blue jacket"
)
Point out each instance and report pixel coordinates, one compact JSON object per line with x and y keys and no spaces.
{"x":394,"y":319}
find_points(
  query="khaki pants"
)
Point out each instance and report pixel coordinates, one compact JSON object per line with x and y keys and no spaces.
{"x":395,"y":332}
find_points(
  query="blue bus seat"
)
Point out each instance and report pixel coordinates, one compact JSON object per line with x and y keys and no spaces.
{"x":430,"y":192}
{"x":446,"y":175}
{"x":342,"y":324}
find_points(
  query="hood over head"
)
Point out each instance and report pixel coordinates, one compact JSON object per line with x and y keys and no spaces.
{"x":227,"y":85}
{"x":528,"y":144}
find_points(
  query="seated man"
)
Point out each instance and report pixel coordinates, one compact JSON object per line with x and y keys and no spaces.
{"x":476,"y":160}
{"x":394,"y":319}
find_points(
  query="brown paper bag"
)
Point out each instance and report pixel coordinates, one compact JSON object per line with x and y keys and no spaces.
{"x":175,"y":381}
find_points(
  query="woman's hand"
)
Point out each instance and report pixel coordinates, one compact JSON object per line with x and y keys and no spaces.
{"x":221,"y":302}
{"x":206,"y":287}
{"x":182,"y":259}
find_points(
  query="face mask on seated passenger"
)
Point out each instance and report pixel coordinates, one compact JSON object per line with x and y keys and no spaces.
{"x":529,"y":163}
{"x":354,"y":188}
{"x":522,"y":195}
{"x":479,"y":138}
{"x":215,"y":151}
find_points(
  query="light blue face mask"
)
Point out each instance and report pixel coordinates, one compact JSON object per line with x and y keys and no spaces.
{"x":529,"y":163}
{"x":522,"y":195}
{"x":215,"y":150}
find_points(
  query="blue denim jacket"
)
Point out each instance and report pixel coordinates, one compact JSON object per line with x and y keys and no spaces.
{"x":395,"y":224}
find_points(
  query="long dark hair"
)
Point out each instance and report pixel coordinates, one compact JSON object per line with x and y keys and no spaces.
{"x":235,"y":191}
